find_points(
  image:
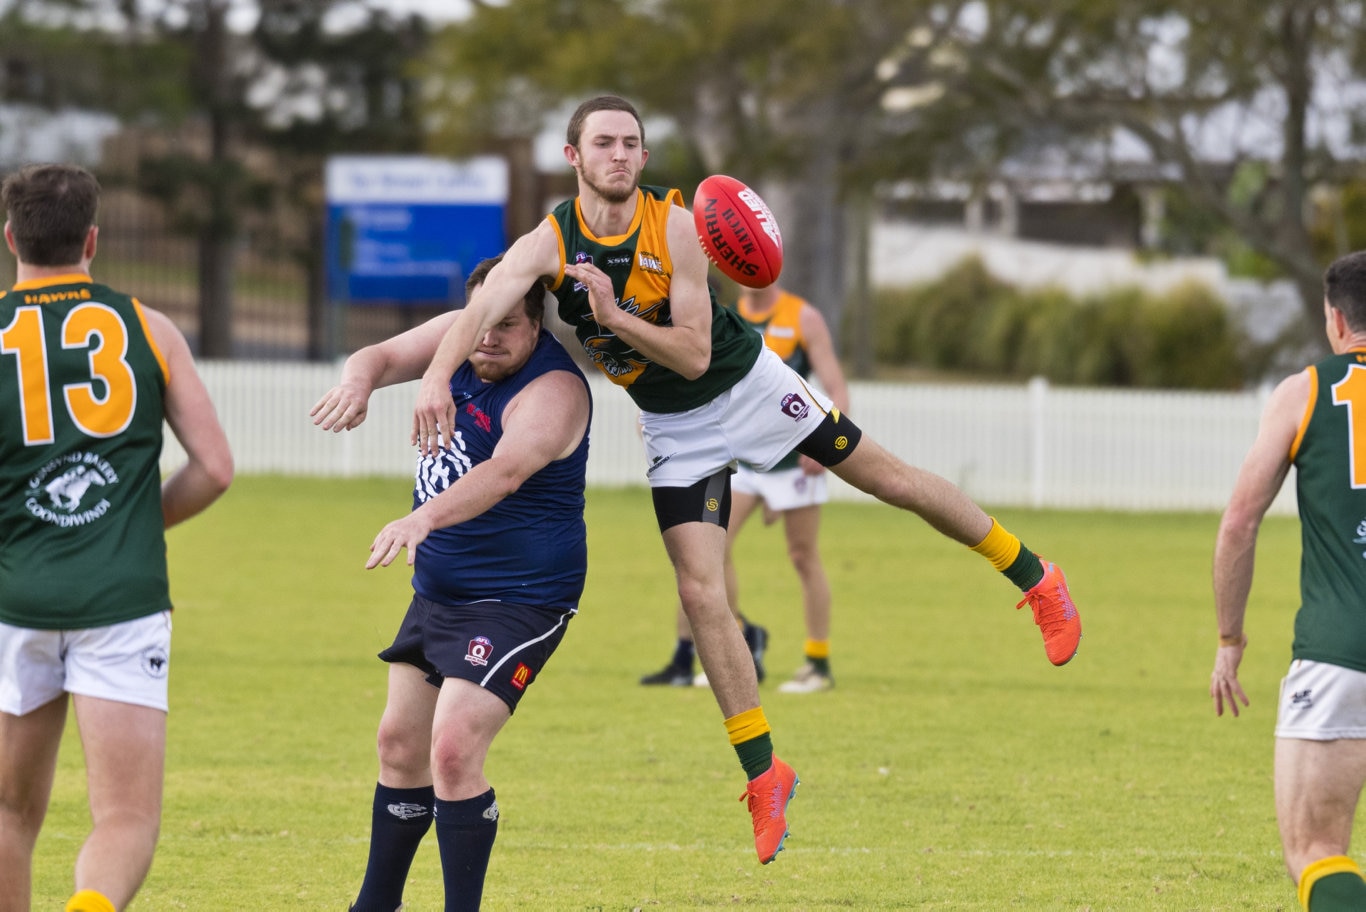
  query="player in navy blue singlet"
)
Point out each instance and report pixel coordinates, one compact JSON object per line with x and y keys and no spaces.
{"x":497,"y":543}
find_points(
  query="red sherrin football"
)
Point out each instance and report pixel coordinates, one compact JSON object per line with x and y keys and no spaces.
{"x":738,"y":231}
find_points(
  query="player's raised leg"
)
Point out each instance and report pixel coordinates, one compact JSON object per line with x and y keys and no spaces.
{"x":872,"y":469}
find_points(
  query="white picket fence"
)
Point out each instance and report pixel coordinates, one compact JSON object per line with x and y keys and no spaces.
{"x":1023,"y":445}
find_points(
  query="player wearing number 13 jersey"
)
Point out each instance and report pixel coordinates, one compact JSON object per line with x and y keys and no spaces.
{"x":80,"y":483}
{"x":87,"y":377}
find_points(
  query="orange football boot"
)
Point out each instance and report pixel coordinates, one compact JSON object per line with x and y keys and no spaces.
{"x":768,"y":796}
{"x":1055,"y":613}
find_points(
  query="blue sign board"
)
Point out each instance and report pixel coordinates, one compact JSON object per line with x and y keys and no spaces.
{"x":407,"y":229}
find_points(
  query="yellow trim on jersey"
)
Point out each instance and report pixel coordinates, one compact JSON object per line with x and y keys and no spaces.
{"x":74,"y":278}
{"x":1317,"y":870}
{"x":1308,"y":411}
{"x":748,"y":725}
{"x":559,"y":237}
{"x":151,"y":341}
{"x":782,"y":323}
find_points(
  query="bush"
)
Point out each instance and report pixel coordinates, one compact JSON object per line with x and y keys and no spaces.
{"x":970,"y":321}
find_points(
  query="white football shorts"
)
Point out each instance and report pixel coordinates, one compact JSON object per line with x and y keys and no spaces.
{"x":759,"y":421}
{"x":126,"y":663}
{"x":1321,"y":702}
{"x":783,"y":489}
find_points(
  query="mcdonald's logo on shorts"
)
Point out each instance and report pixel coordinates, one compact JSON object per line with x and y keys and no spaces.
{"x":521,"y":677}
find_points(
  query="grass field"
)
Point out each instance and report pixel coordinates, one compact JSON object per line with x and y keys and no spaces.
{"x":952,"y":768}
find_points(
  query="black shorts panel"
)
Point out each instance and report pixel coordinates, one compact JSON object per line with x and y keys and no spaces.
{"x":833,"y":439}
{"x":706,"y":501}
{"x":499,"y":646}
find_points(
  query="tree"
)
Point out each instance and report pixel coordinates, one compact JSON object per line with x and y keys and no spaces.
{"x":1246,"y":108}
{"x":208,"y":80}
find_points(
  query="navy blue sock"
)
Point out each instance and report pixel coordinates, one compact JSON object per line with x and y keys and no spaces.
{"x":465,"y":831}
{"x":398,"y":821}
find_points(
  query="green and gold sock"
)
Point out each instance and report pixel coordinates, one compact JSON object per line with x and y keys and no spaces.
{"x":1008,"y":555}
{"x":1332,"y":884}
{"x":818,"y":654}
{"x":753,"y":741}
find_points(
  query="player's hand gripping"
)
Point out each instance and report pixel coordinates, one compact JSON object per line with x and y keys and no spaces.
{"x":601,"y":296}
{"x":1223,"y":683}
{"x":433,"y":417}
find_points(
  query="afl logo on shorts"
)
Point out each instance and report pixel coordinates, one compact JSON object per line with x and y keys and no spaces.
{"x":479,"y":651}
{"x":155,"y":662}
{"x":795,"y":406}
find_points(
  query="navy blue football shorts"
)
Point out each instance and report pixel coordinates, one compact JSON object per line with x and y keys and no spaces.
{"x":499,"y":646}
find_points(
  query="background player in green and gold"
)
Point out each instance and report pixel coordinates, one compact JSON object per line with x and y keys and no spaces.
{"x":1315,"y":421}
{"x":794,"y":490}
{"x":85,"y":609}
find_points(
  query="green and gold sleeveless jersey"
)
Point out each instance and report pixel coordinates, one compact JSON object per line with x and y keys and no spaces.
{"x":82,"y":540}
{"x":781,"y":329}
{"x":640,"y":267}
{"x":1329,"y":454}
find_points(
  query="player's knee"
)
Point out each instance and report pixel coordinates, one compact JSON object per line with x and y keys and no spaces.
{"x":400,"y":750}
{"x":453,"y":758}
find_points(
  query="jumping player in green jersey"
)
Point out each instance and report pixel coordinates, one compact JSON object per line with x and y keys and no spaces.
{"x":1315,"y":421}
{"x":623,"y":262}
{"x":87,"y":377}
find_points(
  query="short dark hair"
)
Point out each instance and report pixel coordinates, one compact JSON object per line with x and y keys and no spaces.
{"x":1344,"y":287}
{"x":50,"y":209}
{"x":533,"y":301}
{"x":600,"y":103}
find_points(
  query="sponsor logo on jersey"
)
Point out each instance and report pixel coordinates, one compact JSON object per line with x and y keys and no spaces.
{"x":582,"y":257}
{"x":650,"y":263}
{"x":521,"y":677}
{"x":618,"y":258}
{"x":61,"y":492}
{"x":481,"y":418}
{"x":1361,"y":535}
{"x":404,"y":810}
{"x":478,"y":652}
{"x":795,"y":407}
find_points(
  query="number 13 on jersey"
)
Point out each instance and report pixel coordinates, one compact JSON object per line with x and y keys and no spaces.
{"x":101,"y":411}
